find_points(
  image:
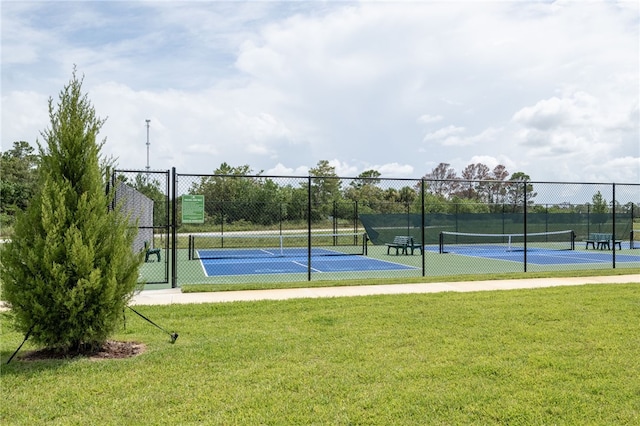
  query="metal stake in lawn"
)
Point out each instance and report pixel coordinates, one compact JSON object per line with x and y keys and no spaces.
{"x":174,"y":336}
{"x":23,"y":342}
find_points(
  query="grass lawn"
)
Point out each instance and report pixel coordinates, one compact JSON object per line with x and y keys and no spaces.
{"x":562,"y":355}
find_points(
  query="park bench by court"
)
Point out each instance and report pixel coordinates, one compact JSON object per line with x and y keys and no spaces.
{"x":403,"y":244}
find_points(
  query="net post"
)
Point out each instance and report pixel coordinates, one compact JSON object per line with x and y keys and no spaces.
{"x":631,"y":235}
{"x":334,"y":221}
{"x":355,"y":222}
{"x":441,"y":243}
{"x":365,"y":246}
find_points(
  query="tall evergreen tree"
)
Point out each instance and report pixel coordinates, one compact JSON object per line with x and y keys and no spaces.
{"x":600,"y":211}
{"x":325,"y":189}
{"x":518,"y":186}
{"x":69,"y":269}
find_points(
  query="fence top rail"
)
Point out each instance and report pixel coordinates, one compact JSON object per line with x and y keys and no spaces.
{"x":300,"y":177}
{"x":303,"y":177}
{"x":158,"y":171}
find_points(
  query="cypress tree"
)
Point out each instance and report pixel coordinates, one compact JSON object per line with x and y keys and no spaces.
{"x":69,"y":270}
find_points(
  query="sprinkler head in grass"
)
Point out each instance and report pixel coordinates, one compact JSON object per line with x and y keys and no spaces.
{"x":174,"y":337}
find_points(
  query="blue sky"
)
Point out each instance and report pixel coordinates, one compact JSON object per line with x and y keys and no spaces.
{"x":550,"y":89}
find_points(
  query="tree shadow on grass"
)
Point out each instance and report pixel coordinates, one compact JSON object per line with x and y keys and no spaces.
{"x":35,"y":360}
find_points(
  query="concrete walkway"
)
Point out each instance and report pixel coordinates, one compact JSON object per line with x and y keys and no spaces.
{"x":175,"y":296}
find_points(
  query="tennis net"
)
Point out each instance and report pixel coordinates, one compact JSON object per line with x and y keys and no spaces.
{"x":470,"y":242}
{"x":223,"y":246}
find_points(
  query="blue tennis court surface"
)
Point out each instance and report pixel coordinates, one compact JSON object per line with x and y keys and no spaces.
{"x":539,"y":256}
{"x":256,"y":261}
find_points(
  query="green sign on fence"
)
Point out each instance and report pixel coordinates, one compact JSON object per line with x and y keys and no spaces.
{"x":193,"y":209}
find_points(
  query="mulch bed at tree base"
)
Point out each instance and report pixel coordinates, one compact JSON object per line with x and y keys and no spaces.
{"x":110,"y":350}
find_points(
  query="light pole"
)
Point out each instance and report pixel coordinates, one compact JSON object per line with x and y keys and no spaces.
{"x":148,"y":168}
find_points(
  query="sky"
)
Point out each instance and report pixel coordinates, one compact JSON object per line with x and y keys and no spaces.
{"x":547,"y":88}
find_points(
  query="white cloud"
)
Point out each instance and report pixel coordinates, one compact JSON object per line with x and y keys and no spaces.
{"x":578,"y":110}
{"x":443,"y":134}
{"x":395,"y":170}
{"x":263,"y":127}
{"x":281,"y":170}
{"x":580,"y":127}
{"x":25,"y":113}
{"x":428,"y":119}
{"x":454,"y":136}
{"x":629,"y":165}
{"x":548,"y":113}
{"x":200,"y":149}
{"x":343,"y":168}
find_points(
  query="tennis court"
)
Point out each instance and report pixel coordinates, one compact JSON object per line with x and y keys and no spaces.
{"x":541,"y":256}
{"x":288,"y":261}
{"x":239,"y":258}
{"x":545,"y":248}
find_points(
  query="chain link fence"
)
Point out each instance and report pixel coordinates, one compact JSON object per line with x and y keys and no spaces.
{"x":226,"y":229}
{"x":144,"y":197}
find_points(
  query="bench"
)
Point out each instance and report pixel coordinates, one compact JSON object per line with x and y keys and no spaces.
{"x":150,"y":252}
{"x":601,"y":241}
{"x":403,"y":243}
{"x":614,"y":242}
{"x":598,"y":240}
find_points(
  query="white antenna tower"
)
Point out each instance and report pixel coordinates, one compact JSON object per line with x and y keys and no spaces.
{"x":148,"y":168}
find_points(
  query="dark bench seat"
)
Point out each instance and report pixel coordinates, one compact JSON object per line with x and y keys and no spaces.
{"x":150,"y":252}
{"x":601,"y":241}
{"x":404,"y":244}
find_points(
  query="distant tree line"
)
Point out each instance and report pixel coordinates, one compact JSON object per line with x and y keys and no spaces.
{"x":233,"y":192}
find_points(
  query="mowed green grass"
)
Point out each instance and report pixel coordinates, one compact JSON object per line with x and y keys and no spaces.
{"x":562,"y":355}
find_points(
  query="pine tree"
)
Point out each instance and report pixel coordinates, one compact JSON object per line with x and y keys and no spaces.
{"x":599,"y":214}
{"x":69,"y":270}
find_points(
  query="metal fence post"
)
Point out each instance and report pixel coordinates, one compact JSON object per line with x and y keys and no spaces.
{"x":167,"y":219}
{"x":613,"y":223}
{"x":524,"y":217}
{"x":172,"y":226}
{"x":424,"y":268}
{"x":309,"y":228}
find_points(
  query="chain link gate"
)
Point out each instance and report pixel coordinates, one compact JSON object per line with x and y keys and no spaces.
{"x":144,"y":197}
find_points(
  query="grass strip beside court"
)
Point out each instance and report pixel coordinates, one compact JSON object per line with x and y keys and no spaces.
{"x":196,"y":288}
{"x":562,"y":355}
